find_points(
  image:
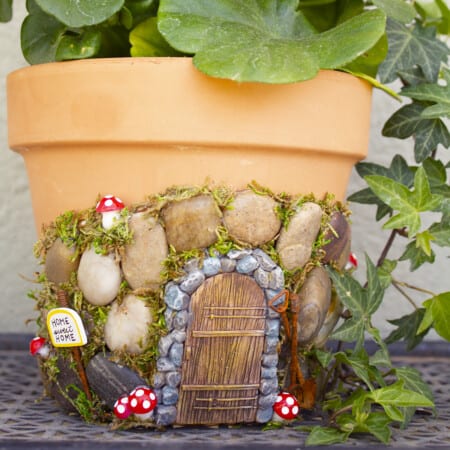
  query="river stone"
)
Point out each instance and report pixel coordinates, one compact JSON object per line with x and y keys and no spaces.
{"x":60,"y":262}
{"x":165,"y":415}
{"x":252,"y":218}
{"x":191,"y":223}
{"x":264,"y":415}
{"x":339,"y":237}
{"x":142,"y":259}
{"x":315,"y":299}
{"x":110,"y":380}
{"x":331,"y":319}
{"x":295,"y":243}
{"x":175,"y":298}
{"x":67,"y":386}
{"x":99,"y":277}
{"x":127,"y":325}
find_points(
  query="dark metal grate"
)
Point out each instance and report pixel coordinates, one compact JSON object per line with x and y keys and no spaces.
{"x":29,"y":421}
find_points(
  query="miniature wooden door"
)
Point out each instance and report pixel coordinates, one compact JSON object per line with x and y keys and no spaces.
{"x":222,"y":354}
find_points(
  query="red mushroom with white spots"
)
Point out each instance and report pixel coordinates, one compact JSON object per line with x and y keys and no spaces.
{"x":286,"y":407}
{"x":109,"y":207}
{"x":352,"y":262}
{"x":142,"y":402}
{"x":122,"y":408}
{"x":39,"y":347}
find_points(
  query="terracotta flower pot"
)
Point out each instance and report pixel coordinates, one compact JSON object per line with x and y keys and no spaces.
{"x":135,"y":126}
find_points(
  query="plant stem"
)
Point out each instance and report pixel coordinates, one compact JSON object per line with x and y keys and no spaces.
{"x":416,"y":288}
{"x":410,"y":300}
{"x":387,"y":247}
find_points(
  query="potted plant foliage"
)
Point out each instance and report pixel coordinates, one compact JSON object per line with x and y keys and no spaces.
{"x":125,"y":284}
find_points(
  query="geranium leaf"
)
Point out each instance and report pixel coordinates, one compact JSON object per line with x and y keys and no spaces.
{"x":79,"y":46}
{"x":397,"y":9}
{"x":5,"y":10}
{"x":146,"y":40}
{"x":263,"y":41}
{"x":80,"y":13}
{"x":412,"y":47}
{"x":40,"y":36}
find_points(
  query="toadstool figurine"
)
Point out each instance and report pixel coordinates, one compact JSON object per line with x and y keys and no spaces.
{"x":285,"y":408}
{"x":109,"y":207}
{"x":142,"y":402}
{"x":39,"y":347}
{"x":352,"y":262}
{"x":122,"y":407}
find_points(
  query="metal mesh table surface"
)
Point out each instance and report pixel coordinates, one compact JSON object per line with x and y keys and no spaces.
{"x":29,"y":420}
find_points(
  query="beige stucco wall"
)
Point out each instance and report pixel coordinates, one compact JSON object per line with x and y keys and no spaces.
{"x":17,"y":234}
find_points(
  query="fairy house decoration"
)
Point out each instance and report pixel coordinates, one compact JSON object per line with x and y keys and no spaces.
{"x":198,"y":305}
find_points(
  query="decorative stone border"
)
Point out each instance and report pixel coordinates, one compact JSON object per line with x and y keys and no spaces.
{"x":269,"y":277}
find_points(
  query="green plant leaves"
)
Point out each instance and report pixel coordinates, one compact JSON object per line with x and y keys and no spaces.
{"x":5,"y":10}
{"x":428,"y":133}
{"x":407,"y":329}
{"x":146,"y":40}
{"x":263,"y":41}
{"x":409,"y":204}
{"x":80,"y":13}
{"x":397,"y":9}
{"x":412,"y":47}
{"x":362,"y":302}
{"x":438,"y":313}
{"x":396,"y":395}
{"x":326,"y":436}
{"x":40,"y":37}
{"x":432,"y":92}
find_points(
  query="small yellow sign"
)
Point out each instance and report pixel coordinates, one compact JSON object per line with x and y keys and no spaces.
{"x":65,"y":328}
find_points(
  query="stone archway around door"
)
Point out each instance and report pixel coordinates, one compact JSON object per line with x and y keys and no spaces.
{"x":251,"y":270}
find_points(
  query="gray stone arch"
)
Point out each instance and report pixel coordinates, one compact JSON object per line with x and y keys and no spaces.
{"x":254,"y":263}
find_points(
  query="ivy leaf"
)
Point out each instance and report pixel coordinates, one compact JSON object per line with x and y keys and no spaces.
{"x":423,"y":241}
{"x":377,"y":424}
{"x":146,"y":40}
{"x":362,"y":303}
{"x":262,"y":41}
{"x":326,"y":436}
{"x":359,"y":365}
{"x":398,"y":171}
{"x":439,"y":307}
{"x":80,"y":13}
{"x":5,"y":10}
{"x":396,"y":395}
{"x":416,"y":256}
{"x":412,"y":47}
{"x":384,"y":272}
{"x":409,"y":204}
{"x":407,"y":329}
{"x":441,"y":232}
{"x":412,"y":77}
{"x":432,"y":92}
{"x":413,"y":381}
{"x":428,"y":133}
